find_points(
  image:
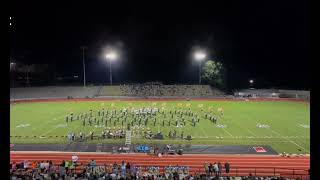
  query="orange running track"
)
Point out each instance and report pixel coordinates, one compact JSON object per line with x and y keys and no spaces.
{"x":241,"y":165}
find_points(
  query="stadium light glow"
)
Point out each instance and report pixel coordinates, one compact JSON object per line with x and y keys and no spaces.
{"x":251,"y":81}
{"x":199,"y":56}
{"x":111,"y":56}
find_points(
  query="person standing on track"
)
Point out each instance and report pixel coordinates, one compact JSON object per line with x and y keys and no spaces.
{"x":93,"y":165}
{"x":210,"y":169}
{"x":227,"y":167}
{"x":219,"y":169}
{"x":215,"y":169}
{"x":206,"y":168}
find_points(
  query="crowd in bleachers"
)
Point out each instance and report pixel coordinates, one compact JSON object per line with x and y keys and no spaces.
{"x":158,"y":89}
{"x":143,"y":90}
{"x":71,"y":170}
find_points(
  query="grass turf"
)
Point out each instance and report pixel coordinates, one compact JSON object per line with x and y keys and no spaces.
{"x":287,"y":123}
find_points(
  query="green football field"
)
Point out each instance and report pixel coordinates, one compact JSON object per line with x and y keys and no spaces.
{"x":283,"y":125}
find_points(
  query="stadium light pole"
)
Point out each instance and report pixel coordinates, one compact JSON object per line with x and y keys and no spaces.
{"x":13,"y":68}
{"x":84,"y":65}
{"x":199,"y":56}
{"x":28,"y":70}
{"x":111,"y":56}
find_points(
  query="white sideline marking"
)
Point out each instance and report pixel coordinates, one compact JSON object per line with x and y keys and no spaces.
{"x":232,"y":140}
{"x":55,"y":119}
{"x":251,"y":137}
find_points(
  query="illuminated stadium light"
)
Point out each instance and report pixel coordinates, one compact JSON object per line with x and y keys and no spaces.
{"x":111,"y":56}
{"x":10,"y":24}
{"x":251,"y":81}
{"x":10,"y":17}
{"x":199,"y":56}
{"x":12,"y":65}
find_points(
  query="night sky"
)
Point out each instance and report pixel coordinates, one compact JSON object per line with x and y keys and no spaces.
{"x":262,"y":40}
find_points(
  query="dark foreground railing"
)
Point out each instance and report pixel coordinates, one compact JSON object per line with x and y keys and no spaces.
{"x":184,"y":170}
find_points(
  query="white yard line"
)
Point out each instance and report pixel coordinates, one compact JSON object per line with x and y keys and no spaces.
{"x":227,"y":132}
{"x":48,"y":121}
{"x":57,"y":126}
{"x":245,"y":129}
{"x":49,"y":131}
{"x":251,"y":132}
{"x":298,"y":122}
{"x":203,"y":132}
{"x":75,"y":130}
{"x":284,"y":137}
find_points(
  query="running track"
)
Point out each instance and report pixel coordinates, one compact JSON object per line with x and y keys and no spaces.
{"x":240,"y":164}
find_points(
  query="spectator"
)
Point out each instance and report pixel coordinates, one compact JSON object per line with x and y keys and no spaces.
{"x":52,"y":168}
{"x":210,"y":169}
{"x":37,"y":175}
{"x":115,"y":169}
{"x":46,"y":166}
{"x":206,"y":168}
{"x":34,"y":165}
{"x":63,"y":163}
{"x":62,"y":170}
{"x":133,"y":170}
{"x":216,"y":169}
{"x":74,"y":159}
{"x":227,"y":167}
{"x":14,"y":166}
{"x":219,"y":168}
{"x":42,"y":166}
{"x":66,"y":166}
{"x":25,"y":164}
{"x":123,"y":169}
{"x":197,"y":175}
{"x":93,"y":165}
{"x":128,"y":167}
